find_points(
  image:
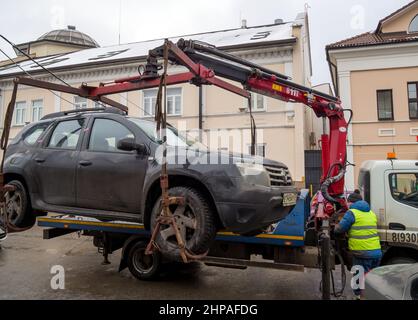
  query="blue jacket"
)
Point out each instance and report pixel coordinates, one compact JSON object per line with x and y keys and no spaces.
{"x":346,"y":224}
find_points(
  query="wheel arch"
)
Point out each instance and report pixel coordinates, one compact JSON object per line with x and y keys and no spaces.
{"x":11,"y":176}
{"x":399,"y":251}
{"x":154,"y":192}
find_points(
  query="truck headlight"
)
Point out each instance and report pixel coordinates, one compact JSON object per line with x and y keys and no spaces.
{"x":254,"y":174}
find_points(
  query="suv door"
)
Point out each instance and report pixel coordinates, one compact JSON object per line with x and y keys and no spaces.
{"x":55,"y":163}
{"x":107,"y":178}
{"x":402,"y":207}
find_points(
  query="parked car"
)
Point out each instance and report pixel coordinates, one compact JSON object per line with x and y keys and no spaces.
{"x":105,"y":165}
{"x":393,"y":282}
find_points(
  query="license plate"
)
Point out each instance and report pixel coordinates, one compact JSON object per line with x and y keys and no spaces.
{"x":289,"y":199}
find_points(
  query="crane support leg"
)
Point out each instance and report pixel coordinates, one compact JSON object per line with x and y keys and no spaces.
{"x":325,"y":243}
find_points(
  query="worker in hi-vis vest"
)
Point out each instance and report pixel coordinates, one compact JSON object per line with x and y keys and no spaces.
{"x":360,"y":223}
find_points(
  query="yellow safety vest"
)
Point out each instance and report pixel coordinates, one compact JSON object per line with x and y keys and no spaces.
{"x":363,"y":235}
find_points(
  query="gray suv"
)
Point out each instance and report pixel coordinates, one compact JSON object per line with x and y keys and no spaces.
{"x":106,"y":165}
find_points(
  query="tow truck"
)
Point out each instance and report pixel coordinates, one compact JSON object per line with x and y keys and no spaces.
{"x":293,"y":244}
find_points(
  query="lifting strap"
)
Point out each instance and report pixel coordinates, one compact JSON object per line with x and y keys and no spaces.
{"x":166,"y":216}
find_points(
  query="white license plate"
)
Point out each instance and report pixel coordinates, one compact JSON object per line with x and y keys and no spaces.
{"x":289,"y":199}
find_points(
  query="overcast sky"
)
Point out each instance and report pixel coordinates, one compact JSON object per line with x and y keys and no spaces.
{"x":330,"y":20}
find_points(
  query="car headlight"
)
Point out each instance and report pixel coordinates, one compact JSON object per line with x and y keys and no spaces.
{"x":254,"y":174}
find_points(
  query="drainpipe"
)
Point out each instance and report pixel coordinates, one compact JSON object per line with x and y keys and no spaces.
{"x":334,"y":80}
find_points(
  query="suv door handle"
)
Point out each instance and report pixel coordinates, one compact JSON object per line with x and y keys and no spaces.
{"x":397,"y":226}
{"x":39,"y":160}
{"x":85,"y":163}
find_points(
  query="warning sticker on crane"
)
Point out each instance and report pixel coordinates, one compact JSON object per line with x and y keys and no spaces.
{"x":277,"y":87}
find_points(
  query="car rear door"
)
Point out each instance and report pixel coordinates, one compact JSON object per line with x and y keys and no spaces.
{"x":107,"y":178}
{"x":55,"y":162}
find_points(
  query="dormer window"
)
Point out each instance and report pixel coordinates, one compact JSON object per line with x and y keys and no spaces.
{"x":413,"y":27}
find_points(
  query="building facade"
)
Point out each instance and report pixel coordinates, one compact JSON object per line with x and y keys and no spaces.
{"x":376,"y":75}
{"x":281,"y":127}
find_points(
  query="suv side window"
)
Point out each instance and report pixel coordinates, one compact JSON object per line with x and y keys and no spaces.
{"x":66,"y":134}
{"x":106,"y":134}
{"x":404,"y":188}
{"x":31,"y":136}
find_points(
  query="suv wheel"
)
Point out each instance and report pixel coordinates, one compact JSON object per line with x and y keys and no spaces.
{"x":18,"y":206}
{"x":195,"y":220}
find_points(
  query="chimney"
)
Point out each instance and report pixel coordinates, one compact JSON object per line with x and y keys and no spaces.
{"x":71,"y":27}
{"x":278,"y":21}
{"x":244,"y":24}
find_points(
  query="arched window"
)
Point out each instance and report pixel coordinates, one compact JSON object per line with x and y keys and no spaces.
{"x":413,"y":27}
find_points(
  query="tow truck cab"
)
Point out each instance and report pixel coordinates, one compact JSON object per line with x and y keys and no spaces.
{"x":391,"y":188}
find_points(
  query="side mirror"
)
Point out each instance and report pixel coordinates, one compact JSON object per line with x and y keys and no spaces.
{"x":129,"y":144}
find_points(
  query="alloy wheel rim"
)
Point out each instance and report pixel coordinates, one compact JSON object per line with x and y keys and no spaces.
{"x":14,"y":206}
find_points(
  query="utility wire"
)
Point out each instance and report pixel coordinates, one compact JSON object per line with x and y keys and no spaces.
{"x":55,"y":76}
{"x":39,"y":65}
{"x":27,"y":73}
{"x":33,"y":60}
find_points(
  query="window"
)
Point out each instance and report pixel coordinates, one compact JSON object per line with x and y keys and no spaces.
{"x":258,"y":102}
{"x":404,"y":188}
{"x":80,"y":102}
{"x":20,"y":113}
{"x":260,"y":150}
{"x":66,"y":134}
{"x":364,"y":184}
{"x":413,"y":27}
{"x":37,"y":107}
{"x":106,"y":134}
{"x":412,"y":99}
{"x":384,"y":105}
{"x":150,"y":99}
{"x":174,"y":101}
{"x":32,"y":135}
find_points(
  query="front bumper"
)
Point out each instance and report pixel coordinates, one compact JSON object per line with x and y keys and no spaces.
{"x":251,"y":208}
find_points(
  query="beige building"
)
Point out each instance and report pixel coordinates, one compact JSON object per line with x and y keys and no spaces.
{"x":284,"y":129}
{"x":376,"y":75}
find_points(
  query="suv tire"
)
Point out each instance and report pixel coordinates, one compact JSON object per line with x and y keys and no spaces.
{"x":196,"y":222}
{"x":18,"y":206}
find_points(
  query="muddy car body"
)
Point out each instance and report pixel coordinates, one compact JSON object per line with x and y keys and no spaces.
{"x":106,"y":165}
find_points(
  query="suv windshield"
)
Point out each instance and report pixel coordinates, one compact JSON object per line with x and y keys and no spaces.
{"x":174,"y":138}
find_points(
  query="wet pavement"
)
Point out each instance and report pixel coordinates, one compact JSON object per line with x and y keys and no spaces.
{"x":26,"y":261}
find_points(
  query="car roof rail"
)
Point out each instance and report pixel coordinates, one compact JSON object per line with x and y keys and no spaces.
{"x":66,"y":113}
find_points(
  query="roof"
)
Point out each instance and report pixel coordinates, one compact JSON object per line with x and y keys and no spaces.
{"x":71,"y":36}
{"x":377,"y":37}
{"x":267,"y":35}
{"x":373,"y":39}
{"x":381,"y":22}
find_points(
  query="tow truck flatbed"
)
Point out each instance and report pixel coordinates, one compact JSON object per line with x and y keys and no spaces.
{"x":284,"y":248}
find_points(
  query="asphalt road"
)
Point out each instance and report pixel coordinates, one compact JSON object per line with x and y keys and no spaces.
{"x":26,"y":261}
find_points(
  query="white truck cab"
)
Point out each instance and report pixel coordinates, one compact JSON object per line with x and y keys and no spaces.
{"x":391,"y":188}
